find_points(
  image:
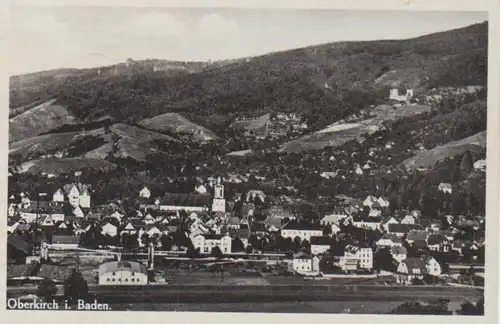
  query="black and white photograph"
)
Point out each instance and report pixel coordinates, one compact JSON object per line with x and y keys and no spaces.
{"x":247,"y":160}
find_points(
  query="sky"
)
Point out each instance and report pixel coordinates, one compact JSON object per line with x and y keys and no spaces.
{"x":43,"y":38}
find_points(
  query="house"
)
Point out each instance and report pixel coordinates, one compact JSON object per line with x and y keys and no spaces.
{"x":117,"y":215}
{"x":445,"y":188}
{"x":201,"y":189}
{"x":438,"y":242}
{"x":77,"y":194}
{"x":386,"y":223}
{"x":149,"y":220}
{"x":303,"y":230}
{"x":145,"y":193}
{"x":435,"y":225}
{"x":371,"y":224}
{"x":46,"y":221}
{"x":417,"y":235}
{"x":305,"y":264}
{"x":206,"y":242}
{"x":109,"y":229}
{"x":363,"y":254}
{"x":58,"y":196}
{"x":403,"y":229}
{"x":123,"y":273}
{"x":151,"y":230}
{"x":335,"y":217}
{"x":319,"y":244}
{"x":383,"y":202}
{"x":412,"y":268}
{"x":389,"y":240}
{"x":335,"y":229}
{"x":369,"y":201}
{"x":78,"y":212}
{"x":253,"y":195}
{"x":129,"y":228}
{"x":233,"y":222}
{"x":408,"y":219}
{"x":399,"y":253}
{"x":65,"y":241}
{"x":394,"y":95}
{"x":480,"y":165}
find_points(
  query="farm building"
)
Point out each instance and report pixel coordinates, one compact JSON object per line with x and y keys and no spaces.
{"x":122,"y":273}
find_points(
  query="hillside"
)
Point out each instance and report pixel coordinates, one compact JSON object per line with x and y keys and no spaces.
{"x":324,"y":83}
{"x":66,"y":165}
{"x":138,"y":134}
{"x":428,"y":158}
{"x":39,"y":120}
{"x":174,"y":123}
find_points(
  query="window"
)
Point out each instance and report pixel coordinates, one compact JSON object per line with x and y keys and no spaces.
{"x":126,"y":279}
{"x":113,"y":279}
{"x":133,"y":273}
{"x":108,"y":279}
{"x":113,"y":273}
{"x":119,"y":280}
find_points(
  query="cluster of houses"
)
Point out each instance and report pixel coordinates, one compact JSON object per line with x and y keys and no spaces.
{"x":209,"y":222}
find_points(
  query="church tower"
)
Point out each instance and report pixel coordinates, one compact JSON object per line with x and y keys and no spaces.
{"x":219,"y":203}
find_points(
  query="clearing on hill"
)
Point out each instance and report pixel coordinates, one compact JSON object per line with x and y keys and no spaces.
{"x":428,"y":158}
{"x":39,"y":120}
{"x":69,"y":165}
{"x":176,"y":124}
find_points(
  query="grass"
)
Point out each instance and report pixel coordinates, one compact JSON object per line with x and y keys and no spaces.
{"x":177,"y":124}
{"x":429,"y":158}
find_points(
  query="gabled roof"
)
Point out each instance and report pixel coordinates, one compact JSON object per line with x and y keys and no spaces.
{"x":294,"y":225}
{"x":320,"y":240}
{"x":436,"y":239}
{"x":398,"y":250}
{"x":403,"y":228}
{"x":417,"y":235}
{"x":415,"y":263}
{"x":393,"y":237}
{"x":65,"y":239}
{"x":191,"y":200}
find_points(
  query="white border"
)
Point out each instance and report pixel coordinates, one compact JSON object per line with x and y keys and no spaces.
{"x":493,"y":133}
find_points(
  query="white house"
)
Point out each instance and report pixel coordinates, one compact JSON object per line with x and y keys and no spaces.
{"x":335,"y":217}
{"x":389,"y":240}
{"x":369,"y":201}
{"x":445,"y":187}
{"x":201,"y":189}
{"x":145,"y":193}
{"x":206,"y":242}
{"x":303,"y":230}
{"x":412,"y":268}
{"x":408,"y":219}
{"x":58,"y":196}
{"x":109,"y":229}
{"x":383,"y":202}
{"x":374,"y":213}
{"x":78,"y":212}
{"x":117,"y":215}
{"x":305,"y":265}
{"x":367,"y":224}
{"x":78,"y":195}
{"x":123,"y":273}
{"x":363,"y":254}
{"x":394,"y":95}
{"x":391,"y":220}
{"x":480,"y":165}
{"x":65,"y":241}
{"x":149,"y":220}
{"x":399,"y":253}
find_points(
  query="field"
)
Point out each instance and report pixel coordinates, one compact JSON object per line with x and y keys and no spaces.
{"x":57,"y":166}
{"x":177,"y":124}
{"x":430,"y":157}
{"x":39,"y":120}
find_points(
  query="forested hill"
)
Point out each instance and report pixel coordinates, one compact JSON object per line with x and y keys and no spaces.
{"x":324,"y":82}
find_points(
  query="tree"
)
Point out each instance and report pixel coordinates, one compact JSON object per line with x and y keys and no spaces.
{"x":439,"y":307}
{"x":469,"y":308}
{"x":193,"y":253}
{"x":216,"y":252}
{"x":166,"y":242}
{"x":47,"y":289}
{"x":237,"y":245}
{"x":75,"y":288}
{"x":249,"y":249}
{"x":467,"y":163}
{"x":382,"y":260}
